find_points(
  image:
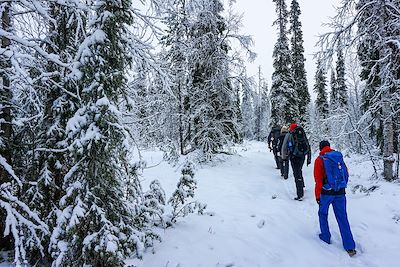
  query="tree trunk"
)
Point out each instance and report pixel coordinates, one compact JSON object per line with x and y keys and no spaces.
{"x":386,"y":85}
{"x":388,"y":148}
{"x":5,"y":116}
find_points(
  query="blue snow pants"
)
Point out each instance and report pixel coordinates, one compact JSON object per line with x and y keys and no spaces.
{"x":339,"y":208}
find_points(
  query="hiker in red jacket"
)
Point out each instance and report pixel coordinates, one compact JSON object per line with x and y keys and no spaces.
{"x":330,"y":189}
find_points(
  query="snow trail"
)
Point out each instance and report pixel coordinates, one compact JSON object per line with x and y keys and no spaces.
{"x":256,"y":222}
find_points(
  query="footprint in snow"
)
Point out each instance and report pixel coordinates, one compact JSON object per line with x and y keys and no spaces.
{"x":261,"y":224}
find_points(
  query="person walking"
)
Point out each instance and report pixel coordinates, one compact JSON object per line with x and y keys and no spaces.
{"x":297,"y":147}
{"x":273,"y":143}
{"x":331,"y":177}
{"x":283,"y":155}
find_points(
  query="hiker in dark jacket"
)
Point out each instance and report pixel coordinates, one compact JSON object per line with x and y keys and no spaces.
{"x":296,"y":147}
{"x":283,"y":162}
{"x":326,"y":195}
{"x":273,"y":143}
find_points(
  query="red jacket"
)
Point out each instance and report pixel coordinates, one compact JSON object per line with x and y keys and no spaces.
{"x":319,"y":172}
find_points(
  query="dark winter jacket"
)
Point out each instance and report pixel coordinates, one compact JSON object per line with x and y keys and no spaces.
{"x":273,"y":137}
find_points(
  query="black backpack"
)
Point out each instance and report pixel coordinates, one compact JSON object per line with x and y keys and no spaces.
{"x":275,"y":135}
{"x":300,"y":143}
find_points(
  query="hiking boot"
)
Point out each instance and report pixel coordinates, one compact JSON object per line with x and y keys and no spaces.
{"x":298,"y":198}
{"x":351,"y":252}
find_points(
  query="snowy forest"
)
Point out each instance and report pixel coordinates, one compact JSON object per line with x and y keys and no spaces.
{"x":88,"y":87}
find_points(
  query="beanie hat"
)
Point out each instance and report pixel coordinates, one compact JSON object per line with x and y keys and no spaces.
{"x":323,"y":144}
{"x":293,"y":126}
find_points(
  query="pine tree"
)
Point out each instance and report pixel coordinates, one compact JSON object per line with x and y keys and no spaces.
{"x":297,"y":60}
{"x":284,"y":98}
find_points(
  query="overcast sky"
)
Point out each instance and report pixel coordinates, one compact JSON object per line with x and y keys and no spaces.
{"x":258,"y":18}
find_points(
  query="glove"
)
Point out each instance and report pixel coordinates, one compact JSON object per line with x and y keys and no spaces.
{"x":318,"y":201}
{"x":308,"y":161}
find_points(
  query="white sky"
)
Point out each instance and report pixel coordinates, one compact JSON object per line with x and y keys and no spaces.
{"x":258,"y":18}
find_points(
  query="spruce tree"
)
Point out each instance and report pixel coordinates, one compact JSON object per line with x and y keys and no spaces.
{"x":284,"y":97}
{"x":47,"y":170}
{"x":212,"y":101}
{"x":265,"y":112}
{"x":21,"y":228}
{"x":321,"y":102}
{"x":6,"y":130}
{"x":177,"y":54}
{"x":341,"y":89}
{"x":333,"y":99}
{"x":297,"y":61}
{"x":247,"y":110}
{"x":101,"y":222}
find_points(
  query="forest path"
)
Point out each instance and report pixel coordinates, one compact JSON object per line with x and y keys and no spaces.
{"x":252,"y":220}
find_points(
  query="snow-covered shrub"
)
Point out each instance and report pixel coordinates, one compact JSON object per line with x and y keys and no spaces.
{"x":154,"y":203}
{"x":182,"y":199}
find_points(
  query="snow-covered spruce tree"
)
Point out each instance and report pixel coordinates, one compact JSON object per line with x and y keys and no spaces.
{"x":376,"y":38}
{"x":368,"y":54}
{"x":143,"y":100}
{"x":5,"y":113}
{"x":176,"y":56}
{"x":238,"y":108}
{"x":321,"y":102}
{"x":21,"y":228}
{"x":297,"y":61}
{"x":320,"y":109}
{"x":357,"y":137}
{"x":154,"y":202}
{"x":341,"y":88}
{"x":284,"y":97}
{"x":333,"y":92}
{"x":265,"y":112}
{"x":182,"y":199}
{"x":338,"y":119}
{"x":101,"y":222}
{"x":212,"y":100}
{"x":65,"y":30}
{"x":247,"y":109}
{"x":261,"y":109}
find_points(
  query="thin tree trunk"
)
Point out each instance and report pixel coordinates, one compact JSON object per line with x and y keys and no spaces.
{"x":5,"y":116}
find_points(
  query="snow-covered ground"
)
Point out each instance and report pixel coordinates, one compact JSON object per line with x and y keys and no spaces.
{"x":252,"y":219}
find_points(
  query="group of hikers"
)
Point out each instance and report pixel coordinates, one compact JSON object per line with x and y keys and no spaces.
{"x":290,"y":144}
